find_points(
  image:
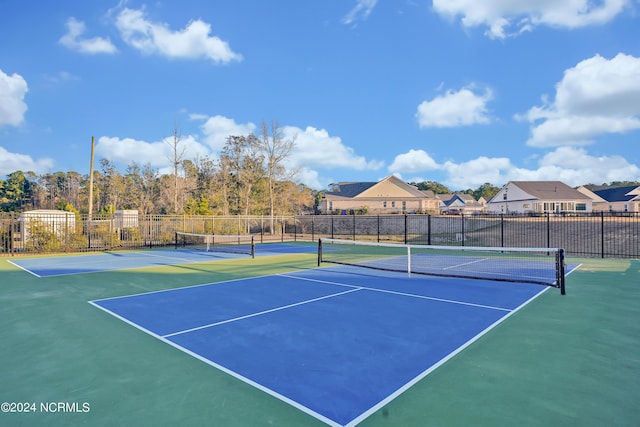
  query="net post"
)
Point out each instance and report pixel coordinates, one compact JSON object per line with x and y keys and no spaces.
{"x":319,"y":252}
{"x":560,"y":271}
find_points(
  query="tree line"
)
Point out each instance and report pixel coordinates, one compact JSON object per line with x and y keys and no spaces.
{"x":248,"y":178}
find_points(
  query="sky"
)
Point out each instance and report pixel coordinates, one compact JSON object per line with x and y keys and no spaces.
{"x":461,"y":92}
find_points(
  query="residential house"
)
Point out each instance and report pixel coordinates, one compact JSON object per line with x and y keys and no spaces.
{"x":614,"y":199}
{"x":539,"y":197}
{"x":460,"y":203}
{"x":388,"y":196}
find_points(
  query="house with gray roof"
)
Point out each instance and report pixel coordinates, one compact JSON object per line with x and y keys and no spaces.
{"x":460,"y":203}
{"x":614,"y":199}
{"x":539,"y":197}
{"x":388,"y":196}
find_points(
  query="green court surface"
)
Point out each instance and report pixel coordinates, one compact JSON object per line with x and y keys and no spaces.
{"x":570,"y":360}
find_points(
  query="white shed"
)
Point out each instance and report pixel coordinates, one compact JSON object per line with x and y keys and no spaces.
{"x":126,"y":218}
{"x":55,"y":221}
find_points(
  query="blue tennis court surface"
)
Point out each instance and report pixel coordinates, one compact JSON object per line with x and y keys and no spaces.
{"x":110,"y":261}
{"x":333,"y":342}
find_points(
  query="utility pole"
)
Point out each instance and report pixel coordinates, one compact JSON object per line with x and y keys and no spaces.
{"x":91,"y":182}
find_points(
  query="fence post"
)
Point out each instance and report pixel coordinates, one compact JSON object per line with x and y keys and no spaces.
{"x":428,"y":229}
{"x":332,"y":226}
{"x":502,"y":230}
{"x":462,"y":218}
{"x":378,"y":233}
{"x":406,"y":218}
{"x":548,"y":230}
{"x":602,"y":234}
{"x":354,"y":227}
{"x":313,"y":230}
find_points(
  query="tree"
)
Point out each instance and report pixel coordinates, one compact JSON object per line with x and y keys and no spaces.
{"x":486,"y":190}
{"x":241,"y":167}
{"x":16,"y":191}
{"x":113,"y":187}
{"x":276,"y":150}
{"x":177,"y":154}
{"x":293,"y":198}
{"x":142,"y":182}
{"x":434,"y":186}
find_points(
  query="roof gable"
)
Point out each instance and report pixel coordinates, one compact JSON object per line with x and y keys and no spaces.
{"x":549,"y":190}
{"x":351,"y":189}
{"x":389,"y":187}
{"x":392,"y":186}
{"x":619,"y":194}
{"x":593,"y":196}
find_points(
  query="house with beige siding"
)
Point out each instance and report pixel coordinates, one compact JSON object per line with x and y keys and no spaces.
{"x":388,"y":196}
{"x":614,"y":199}
{"x":539,"y":197}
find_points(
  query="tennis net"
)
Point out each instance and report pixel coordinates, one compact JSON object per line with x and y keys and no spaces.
{"x":235,"y":244}
{"x":525,"y":265}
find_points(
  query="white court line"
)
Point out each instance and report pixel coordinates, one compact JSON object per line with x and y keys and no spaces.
{"x":441,"y":362}
{"x":89,"y":260}
{"x":223,"y":369}
{"x":290,"y":401}
{"x":405,"y":294}
{"x":22,"y":268}
{"x":210,"y":325}
{"x":465,"y":263}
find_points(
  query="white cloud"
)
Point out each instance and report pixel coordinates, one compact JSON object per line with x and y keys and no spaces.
{"x":460,"y":108}
{"x":507,"y":18}
{"x":192,"y":42}
{"x":413,"y":161}
{"x":11,"y":162}
{"x":62,"y":76}
{"x":217,"y":129}
{"x":571,"y":165}
{"x":473,"y":173}
{"x":360,"y":11}
{"x":157,"y":154}
{"x":597,"y":96}
{"x":316,"y":148}
{"x":73,"y":39}
{"x":574,"y":166}
{"x":12,"y":106}
{"x":310,"y":178}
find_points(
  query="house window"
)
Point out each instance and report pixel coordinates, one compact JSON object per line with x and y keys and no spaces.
{"x":384,"y":204}
{"x":404,"y":206}
{"x":393,"y":204}
{"x":330,"y":206}
{"x":504,"y":196}
{"x":581,"y":206}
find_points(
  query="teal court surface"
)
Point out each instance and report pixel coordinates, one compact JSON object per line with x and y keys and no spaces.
{"x":277,"y":341}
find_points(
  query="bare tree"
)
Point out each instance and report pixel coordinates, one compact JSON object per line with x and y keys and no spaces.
{"x":143,"y":187}
{"x":177,"y":154}
{"x":242,"y":164}
{"x":112,"y":187}
{"x":276,"y":150}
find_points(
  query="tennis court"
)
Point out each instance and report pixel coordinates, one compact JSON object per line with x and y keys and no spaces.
{"x":121,"y":260}
{"x":333,"y":342}
{"x":286,"y":343}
